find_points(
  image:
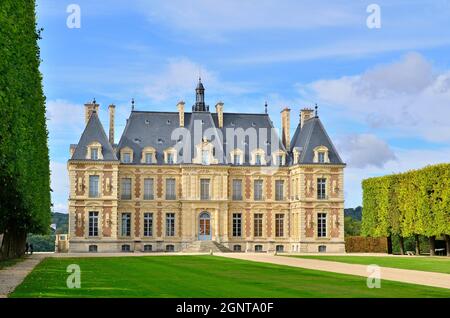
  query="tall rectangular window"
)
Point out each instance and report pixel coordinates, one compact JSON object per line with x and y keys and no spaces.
{"x":258,"y":190}
{"x":321,"y":188}
{"x":279,"y":225}
{"x":258,"y":160}
{"x":258,"y":224}
{"x":148,"y":189}
{"x":279,"y":160}
{"x":148,"y":224}
{"x":321,"y":224}
{"x":237,"y":224}
{"x":126,"y":224}
{"x":125,"y":189}
{"x":204,"y":189}
{"x":237,"y":189}
{"x":170,"y":189}
{"x":93,"y":223}
{"x":94,"y":154}
{"x":279,"y":190}
{"x":93,"y":186}
{"x":148,"y":157}
{"x":170,"y":158}
{"x":237,"y":159}
{"x":321,"y":157}
{"x":170,"y":224}
{"x":126,"y":157}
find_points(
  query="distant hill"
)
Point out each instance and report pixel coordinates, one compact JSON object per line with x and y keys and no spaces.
{"x":62,"y":222}
{"x":354,"y":213}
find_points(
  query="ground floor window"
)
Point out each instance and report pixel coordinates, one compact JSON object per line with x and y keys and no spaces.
{"x":170,"y":248}
{"x":148,"y":248}
{"x":321,"y":224}
{"x":93,"y":223}
{"x":279,"y":225}
{"x":279,"y":248}
{"x":126,"y":248}
{"x":126,"y":224}
{"x":322,"y":248}
{"x":170,"y":224}
{"x":258,"y":248}
{"x":148,"y":224}
{"x":237,"y":224}
{"x":237,"y":248}
{"x":258,"y":224}
{"x":92,"y":248}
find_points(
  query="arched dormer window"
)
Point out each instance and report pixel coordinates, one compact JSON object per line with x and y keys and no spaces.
{"x":205,"y":153}
{"x":279,"y":158}
{"x":94,"y":151}
{"x":126,"y":155}
{"x":148,"y":155}
{"x":170,"y":156}
{"x":321,"y":155}
{"x":237,"y":156}
{"x":258,"y":157}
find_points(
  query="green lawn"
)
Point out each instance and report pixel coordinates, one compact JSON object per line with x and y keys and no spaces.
{"x":428,"y":264}
{"x":201,"y":276}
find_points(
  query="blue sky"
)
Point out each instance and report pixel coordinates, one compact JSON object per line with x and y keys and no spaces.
{"x":383,"y":94}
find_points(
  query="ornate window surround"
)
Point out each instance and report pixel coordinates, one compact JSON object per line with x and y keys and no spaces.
{"x":94,"y":145}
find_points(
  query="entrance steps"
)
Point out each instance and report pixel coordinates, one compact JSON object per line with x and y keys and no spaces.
{"x":205,"y":247}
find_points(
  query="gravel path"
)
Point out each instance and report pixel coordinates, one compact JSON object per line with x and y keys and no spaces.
{"x":12,"y":276}
{"x":387,"y":273}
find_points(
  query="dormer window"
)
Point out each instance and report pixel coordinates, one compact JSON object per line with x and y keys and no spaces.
{"x":258,"y":157}
{"x":321,"y":155}
{"x":148,"y":155}
{"x":205,"y":157}
{"x":148,"y":158}
{"x":94,"y":151}
{"x":236,"y":156}
{"x":237,"y":159}
{"x":204,"y":153}
{"x":258,"y":160}
{"x":279,"y":158}
{"x":126,"y":155}
{"x":170,"y":158}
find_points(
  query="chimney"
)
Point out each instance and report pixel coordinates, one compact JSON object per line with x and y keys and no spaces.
{"x":112,"y":110}
{"x":285,"y":127}
{"x":180,"y":107}
{"x":219,"y":111}
{"x":89,"y":108}
{"x":305,"y":114}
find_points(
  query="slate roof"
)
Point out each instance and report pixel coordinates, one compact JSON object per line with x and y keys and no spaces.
{"x":94,"y":132}
{"x":310,"y":136}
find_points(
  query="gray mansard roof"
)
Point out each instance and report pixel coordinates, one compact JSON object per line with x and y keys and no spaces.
{"x":310,"y":136}
{"x":94,"y":132}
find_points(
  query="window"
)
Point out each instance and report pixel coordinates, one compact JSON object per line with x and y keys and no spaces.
{"x":148,"y":224}
{"x":321,"y":225}
{"x":205,"y":157}
{"x":170,"y":158}
{"x":279,"y":190}
{"x":237,"y":224}
{"x":204,"y":189}
{"x":126,"y":224}
{"x":170,"y":224}
{"x":237,"y":248}
{"x":93,"y":248}
{"x":279,"y":225}
{"x":279,"y":248}
{"x":126,"y":248}
{"x":148,"y":248}
{"x":279,"y":160}
{"x":148,"y":189}
{"x":322,"y":248}
{"x":321,"y":157}
{"x":126,"y":189}
{"x":237,"y":189}
{"x":321,"y":188}
{"x":258,"y":160}
{"x":149,"y":158}
{"x":126,"y":157}
{"x":258,"y":248}
{"x":94,"y":153}
{"x":93,"y":223}
{"x":170,"y":189}
{"x":237,"y":159}
{"x":93,"y":186}
{"x":258,"y":224}
{"x":258,"y":190}
{"x":170,"y":248}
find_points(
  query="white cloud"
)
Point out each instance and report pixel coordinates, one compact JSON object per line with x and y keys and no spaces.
{"x":59,"y":181}
{"x":63,"y":116}
{"x":407,"y":97}
{"x":361,"y":151}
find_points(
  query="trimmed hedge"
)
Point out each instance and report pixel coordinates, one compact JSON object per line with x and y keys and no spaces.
{"x":362,"y":244}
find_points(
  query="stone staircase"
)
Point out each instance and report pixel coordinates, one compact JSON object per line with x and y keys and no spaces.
{"x":205,"y":247}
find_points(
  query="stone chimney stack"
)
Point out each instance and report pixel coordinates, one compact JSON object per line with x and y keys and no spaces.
{"x":89,"y":108}
{"x":112,"y":110}
{"x":305,"y":114}
{"x":219,"y":111}
{"x":285,"y":128}
{"x":180,"y":107}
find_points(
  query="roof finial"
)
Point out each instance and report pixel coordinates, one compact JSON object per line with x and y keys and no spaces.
{"x":265,"y":107}
{"x":316,"y":107}
{"x":132,"y":104}
{"x":94,"y":101}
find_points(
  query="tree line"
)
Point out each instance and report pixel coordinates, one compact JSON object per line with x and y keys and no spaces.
{"x":409,"y":204}
{"x":24,"y":159}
